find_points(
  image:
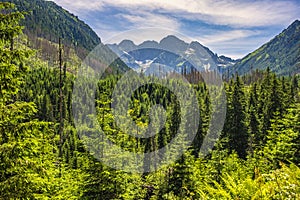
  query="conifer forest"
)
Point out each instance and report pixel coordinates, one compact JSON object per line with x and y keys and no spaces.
{"x":43,"y":156}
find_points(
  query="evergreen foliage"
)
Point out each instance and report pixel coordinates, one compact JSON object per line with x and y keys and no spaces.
{"x":257,"y":156}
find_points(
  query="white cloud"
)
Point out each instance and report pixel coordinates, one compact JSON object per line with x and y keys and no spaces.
{"x":242,"y":16}
{"x":141,"y":27}
{"x":225,"y":36}
{"x":242,"y":13}
{"x":77,"y":6}
{"x":223,"y":12}
{"x":146,"y":19}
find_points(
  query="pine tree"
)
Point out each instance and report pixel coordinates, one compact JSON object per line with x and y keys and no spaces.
{"x":182,"y":183}
{"x":283,"y":138}
{"x":22,"y":145}
{"x":254,"y":124}
{"x":238,"y":133}
{"x":27,"y":149}
{"x":271,"y":101}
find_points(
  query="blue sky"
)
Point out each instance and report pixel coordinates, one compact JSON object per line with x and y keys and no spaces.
{"x":228,"y":27}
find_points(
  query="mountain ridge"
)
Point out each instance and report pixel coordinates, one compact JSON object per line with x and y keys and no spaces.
{"x":47,"y":20}
{"x":46,"y":24}
{"x":281,"y":54}
{"x":165,"y":51}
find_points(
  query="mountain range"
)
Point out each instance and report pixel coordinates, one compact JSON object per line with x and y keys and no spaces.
{"x":46,"y":22}
{"x":171,"y":53}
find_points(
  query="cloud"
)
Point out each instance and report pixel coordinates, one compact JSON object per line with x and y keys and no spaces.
{"x":138,"y":26}
{"x":229,"y":27}
{"x":239,"y":47}
{"x":77,"y":6}
{"x":145,"y":19}
{"x":241,"y":13}
{"x":226,"y":36}
{"x":237,"y":13}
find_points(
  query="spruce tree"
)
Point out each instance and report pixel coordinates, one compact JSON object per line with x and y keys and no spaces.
{"x":238,"y":133}
{"x":22,"y":146}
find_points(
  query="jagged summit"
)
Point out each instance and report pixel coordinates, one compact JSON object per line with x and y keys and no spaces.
{"x":170,"y":51}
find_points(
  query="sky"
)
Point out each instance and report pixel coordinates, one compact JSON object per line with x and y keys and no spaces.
{"x":228,"y":27}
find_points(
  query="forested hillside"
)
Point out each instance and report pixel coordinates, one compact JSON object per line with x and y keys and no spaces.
{"x":281,"y":54}
{"x":43,"y":157}
{"x":46,"y":23}
{"x":47,"y":20}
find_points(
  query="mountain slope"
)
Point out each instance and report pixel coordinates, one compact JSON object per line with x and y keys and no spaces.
{"x":281,"y":54}
{"x":47,"y":20}
{"x":171,"y":52}
{"x":45,"y":23}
